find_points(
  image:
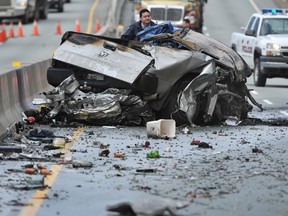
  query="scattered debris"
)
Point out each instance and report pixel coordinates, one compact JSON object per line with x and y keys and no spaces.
{"x":41,"y":133}
{"x":30,"y":171}
{"x":195,"y":142}
{"x":256,"y":150}
{"x":162,"y":128}
{"x":83,"y":164}
{"x":18,"y":203}
{"x":153,"y":154}
{"x":59,"y":142}
{"x":148,"y":206}
{"x":204,"y":145}
{"x":146,"y":170}
{"x":45,"y":172}
{"x":198,"y":195}
{"x":232,"y":121}
{"x":147,"y":144}
{"x":118,"y":155}
{"x":200,"y":144}
{"x":104,"y":152}
{"x":167,"y":149}
{"x":9,"y":149}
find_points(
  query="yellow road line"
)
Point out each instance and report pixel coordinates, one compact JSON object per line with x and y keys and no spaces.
{"x":91,"y":16}
{"x":40,"y":195}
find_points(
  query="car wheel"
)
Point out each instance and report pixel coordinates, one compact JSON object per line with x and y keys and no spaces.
{"x":171,"y":110}
{"x":259,"y":78}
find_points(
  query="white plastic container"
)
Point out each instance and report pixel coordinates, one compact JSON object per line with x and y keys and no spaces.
{"x":161,"y":128}
{"x":38,"y":103}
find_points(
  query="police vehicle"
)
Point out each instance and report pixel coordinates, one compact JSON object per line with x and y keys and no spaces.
{"x":264,"y":44}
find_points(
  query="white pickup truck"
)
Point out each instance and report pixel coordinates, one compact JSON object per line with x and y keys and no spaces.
{"x":264,"y":44}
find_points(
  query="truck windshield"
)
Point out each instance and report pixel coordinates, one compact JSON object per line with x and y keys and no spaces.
{"x":274,"y":26}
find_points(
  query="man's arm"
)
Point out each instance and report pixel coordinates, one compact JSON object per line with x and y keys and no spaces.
{"x":131,"y":32}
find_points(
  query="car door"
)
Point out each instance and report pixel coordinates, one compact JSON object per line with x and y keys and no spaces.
{"x":249,"y":41}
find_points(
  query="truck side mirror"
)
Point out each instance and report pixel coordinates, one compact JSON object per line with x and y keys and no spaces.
{"x":250,"y":32}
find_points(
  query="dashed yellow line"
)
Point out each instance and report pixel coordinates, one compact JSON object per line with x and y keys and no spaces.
{"x":91,"y":16}
{"x":40,"y":195}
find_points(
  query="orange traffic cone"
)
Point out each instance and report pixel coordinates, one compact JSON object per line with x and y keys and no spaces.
{"x":58,"y":28}
{"x":20,"y":29}
{"x":11,"y":30}
{"x":4,"y":31}
{"x":1,"y":35}
{"x":77,"y":26}
{"x":97,"y":26}
{"x":35,"y":28}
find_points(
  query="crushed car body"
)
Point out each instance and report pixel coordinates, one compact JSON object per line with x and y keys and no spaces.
{"x":178,"y":74}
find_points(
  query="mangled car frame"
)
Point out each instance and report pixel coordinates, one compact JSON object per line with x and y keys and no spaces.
{"x":178,"y":74}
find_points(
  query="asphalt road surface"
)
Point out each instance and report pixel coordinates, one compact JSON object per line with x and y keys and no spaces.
{"x":241,"y":172}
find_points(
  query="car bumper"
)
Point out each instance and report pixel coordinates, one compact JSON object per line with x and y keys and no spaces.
{"x":274,"y":66}
{"x":12,"y":13}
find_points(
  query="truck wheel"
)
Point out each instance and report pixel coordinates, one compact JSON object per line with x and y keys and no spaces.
{"x":25,"y":18}
{"x":36,"y":14}
{"x":61,"y":7}
{"x":259,"y":78}
{"x":234,"y":47}
{"x":44,"y":12}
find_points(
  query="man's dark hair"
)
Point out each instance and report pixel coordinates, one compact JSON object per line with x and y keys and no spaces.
{"x":143,"y":11}
{"x":186,"y":20}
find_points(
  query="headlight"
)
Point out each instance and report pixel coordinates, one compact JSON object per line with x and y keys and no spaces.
{"x":273,"y":46}
{"x":21,"y":3}
{"x":273,"y":49}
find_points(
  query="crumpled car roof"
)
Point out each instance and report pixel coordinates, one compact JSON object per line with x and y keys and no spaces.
{"x":201,"y":43}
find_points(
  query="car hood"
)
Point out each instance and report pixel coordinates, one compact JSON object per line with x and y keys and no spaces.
{"x":281,"y":39}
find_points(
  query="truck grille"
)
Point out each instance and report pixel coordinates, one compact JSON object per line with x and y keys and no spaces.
{"x":167,"y":14}
{"x":6,"y":3}
{"x":284,"y":51}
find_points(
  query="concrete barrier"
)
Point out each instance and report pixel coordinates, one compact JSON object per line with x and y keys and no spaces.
{"x":18,"y":88}
{"x":32,"y":82}
{"x":10,"y":108}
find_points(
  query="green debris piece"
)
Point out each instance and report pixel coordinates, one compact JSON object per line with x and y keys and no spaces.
{"x":153,"y":154}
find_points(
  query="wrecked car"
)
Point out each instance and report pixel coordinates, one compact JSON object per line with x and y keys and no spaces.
{"x":168,"y":73}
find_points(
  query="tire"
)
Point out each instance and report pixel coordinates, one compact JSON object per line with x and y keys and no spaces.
{"x":25,"y":18}
{"x":44,"y":12}
{"x":55,"y":76}
{"x":171,"y":110}
{"x":61,"y":7}
{"x":36,"y":14}
{"x":259,"y":78}
{"x":233,"y":47}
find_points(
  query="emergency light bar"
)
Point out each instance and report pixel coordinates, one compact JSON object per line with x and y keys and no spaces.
{"x":274,"y":11}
